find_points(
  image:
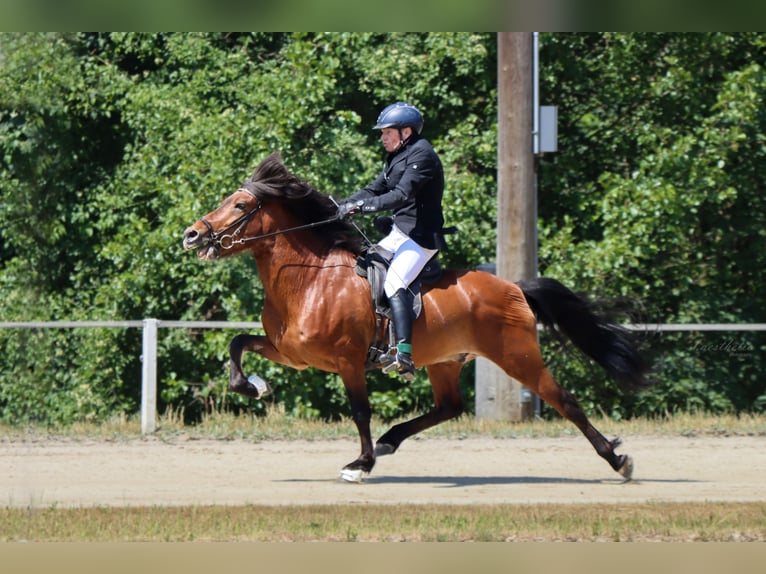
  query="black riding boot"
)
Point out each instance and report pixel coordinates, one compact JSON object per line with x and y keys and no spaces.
{"x":402,"y":317}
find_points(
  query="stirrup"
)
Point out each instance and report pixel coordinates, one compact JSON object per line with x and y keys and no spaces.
{"x":399,"y":362}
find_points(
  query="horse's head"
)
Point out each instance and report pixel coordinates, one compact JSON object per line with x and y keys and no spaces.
{"x":272,"y":201}
{"x":220,"y":232}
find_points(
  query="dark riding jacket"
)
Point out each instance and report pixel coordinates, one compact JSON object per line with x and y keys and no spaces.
{"x":411,"y":186}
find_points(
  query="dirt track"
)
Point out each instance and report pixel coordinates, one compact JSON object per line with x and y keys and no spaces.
{"x":429,"y":470}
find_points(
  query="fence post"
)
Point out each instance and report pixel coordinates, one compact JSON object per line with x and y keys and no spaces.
{"x":149,"y":377}
{"x":499,"y":396}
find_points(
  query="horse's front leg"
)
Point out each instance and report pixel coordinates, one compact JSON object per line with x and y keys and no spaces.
{"x":356,"y":389}
{"x":260,"y":344}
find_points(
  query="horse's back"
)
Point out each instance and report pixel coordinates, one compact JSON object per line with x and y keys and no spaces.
{"x":480,"y":290}
{"x":471,"y":311}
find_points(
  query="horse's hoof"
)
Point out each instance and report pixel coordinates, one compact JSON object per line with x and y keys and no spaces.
{"x":382,"y":449}
{"x":626,"y":470}
{"x":352,"y":475}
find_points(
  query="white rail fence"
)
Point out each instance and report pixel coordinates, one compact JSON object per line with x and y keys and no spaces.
{"x":148,"y":349}
{"x":150,"y":328}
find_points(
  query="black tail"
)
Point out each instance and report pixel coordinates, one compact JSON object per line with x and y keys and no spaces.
{"x":608,"y":344}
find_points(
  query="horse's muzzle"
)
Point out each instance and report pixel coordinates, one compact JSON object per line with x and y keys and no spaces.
{"x":193,"y":239}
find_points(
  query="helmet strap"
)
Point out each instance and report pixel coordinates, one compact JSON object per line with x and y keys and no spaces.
{"x":402,"y":141}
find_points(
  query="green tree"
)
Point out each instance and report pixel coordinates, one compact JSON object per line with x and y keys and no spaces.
{"x":667,"y":209}
{"x":111,"y":144}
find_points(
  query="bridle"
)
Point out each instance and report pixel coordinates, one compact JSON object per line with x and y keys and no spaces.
{"x":225,"y":240}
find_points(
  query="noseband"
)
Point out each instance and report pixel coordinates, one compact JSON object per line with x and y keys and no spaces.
{"x":225,"y":240}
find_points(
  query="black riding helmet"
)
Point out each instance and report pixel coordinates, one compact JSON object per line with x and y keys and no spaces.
{"x":400,"y":115}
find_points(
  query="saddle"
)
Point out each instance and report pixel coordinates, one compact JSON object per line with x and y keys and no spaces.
{"x":373,"y":264}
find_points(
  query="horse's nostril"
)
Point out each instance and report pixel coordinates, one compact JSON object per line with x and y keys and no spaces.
{"x":190,"y":236}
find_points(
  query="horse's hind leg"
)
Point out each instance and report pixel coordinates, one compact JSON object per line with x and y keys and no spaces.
{"x":566,"y":404}
{"x":448,"y":404}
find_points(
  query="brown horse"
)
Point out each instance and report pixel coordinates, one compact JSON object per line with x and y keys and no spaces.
{"x":318,"y":313}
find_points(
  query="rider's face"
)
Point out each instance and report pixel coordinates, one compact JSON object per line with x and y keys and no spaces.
{"x":390,"y":137}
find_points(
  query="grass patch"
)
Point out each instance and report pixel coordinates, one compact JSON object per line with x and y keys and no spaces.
{"x":277,"y":425}
{"x":387,"y":523}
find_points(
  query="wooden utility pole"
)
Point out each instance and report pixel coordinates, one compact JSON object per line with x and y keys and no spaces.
{"x":497,"y":395}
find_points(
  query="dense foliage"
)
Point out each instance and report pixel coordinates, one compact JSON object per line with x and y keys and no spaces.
{"x":111,"y":144}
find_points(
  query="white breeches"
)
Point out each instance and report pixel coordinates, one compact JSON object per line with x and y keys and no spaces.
{"x":409,"y":260}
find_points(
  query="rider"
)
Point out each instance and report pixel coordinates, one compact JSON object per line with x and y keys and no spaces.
{"x":411,"y":186}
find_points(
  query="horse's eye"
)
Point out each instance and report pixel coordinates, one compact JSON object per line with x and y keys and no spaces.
{"x":240,"y":206}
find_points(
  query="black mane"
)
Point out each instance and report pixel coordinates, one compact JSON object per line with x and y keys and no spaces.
{"x":272,"y":181}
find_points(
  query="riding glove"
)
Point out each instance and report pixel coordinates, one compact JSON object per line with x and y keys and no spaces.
{"x":348,"y":208}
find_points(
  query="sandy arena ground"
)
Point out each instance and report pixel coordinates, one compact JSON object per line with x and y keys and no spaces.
{"x":150,"y":471}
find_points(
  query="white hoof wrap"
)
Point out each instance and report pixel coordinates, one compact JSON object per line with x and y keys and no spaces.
{"x":348,"y":475}
{"x":260,"y":385}
{"x":627,"y":469}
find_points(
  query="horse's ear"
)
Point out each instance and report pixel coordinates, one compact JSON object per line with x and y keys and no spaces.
{"x":270,"y":167}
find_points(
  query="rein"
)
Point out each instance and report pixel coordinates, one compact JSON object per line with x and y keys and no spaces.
{"x":226,"y":240}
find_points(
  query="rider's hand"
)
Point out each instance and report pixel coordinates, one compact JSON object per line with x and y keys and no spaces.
{"x":348,"y":208}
